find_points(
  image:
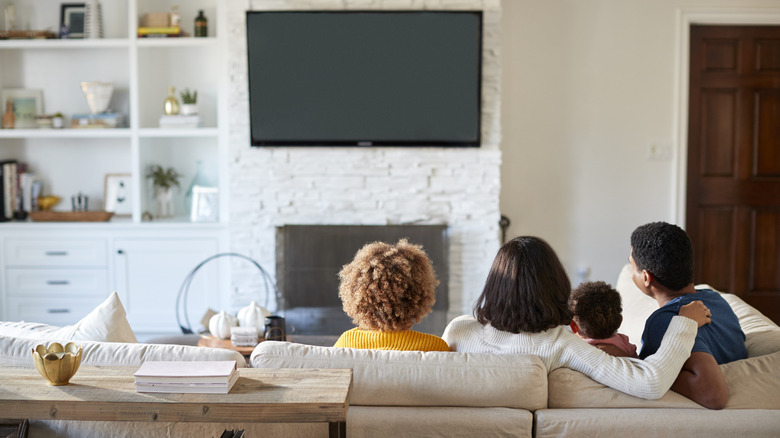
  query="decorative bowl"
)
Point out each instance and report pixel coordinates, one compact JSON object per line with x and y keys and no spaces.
{"x":98,"y":95}
{"x":57,"y":364}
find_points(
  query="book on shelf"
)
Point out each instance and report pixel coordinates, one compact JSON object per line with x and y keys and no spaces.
{"x":179,"y":121}
{"x":30,"y":186}
{"x":101,"y":120}
{"x":8,"y":189}
{"x":186,"y":376}
{"x":160,"y":31}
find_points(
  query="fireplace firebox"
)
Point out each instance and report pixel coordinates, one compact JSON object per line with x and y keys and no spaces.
{"x":309,"y":258}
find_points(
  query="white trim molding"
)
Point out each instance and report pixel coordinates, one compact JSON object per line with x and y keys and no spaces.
{"x":685,"y":18}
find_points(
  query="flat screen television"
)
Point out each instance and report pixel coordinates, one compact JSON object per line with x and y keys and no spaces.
{"x":364,"y":78}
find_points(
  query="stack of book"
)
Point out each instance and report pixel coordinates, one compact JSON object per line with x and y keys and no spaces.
{"x":102,"y":120}
{"x":159,"y":32}
{"x":244,"y":336}
{"x":192,"y":121}
{"x":208,"y":377}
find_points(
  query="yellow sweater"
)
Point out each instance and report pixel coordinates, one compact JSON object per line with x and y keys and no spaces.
{"x":408,"y":340}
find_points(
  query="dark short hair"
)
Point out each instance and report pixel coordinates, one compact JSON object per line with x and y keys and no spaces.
{"x":527,"y":289}
{"x":597,"y":309}
{"x":664,"y":250}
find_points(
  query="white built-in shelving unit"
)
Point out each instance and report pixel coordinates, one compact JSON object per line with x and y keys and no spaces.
{"x":44,"y":274}
{"x":76,"y":160}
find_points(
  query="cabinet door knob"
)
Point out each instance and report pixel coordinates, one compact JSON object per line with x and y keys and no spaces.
{"x":120,"y":251}
{"x":58,"y":282}
{"x":56,"y":253}
{"x":58,"y":310}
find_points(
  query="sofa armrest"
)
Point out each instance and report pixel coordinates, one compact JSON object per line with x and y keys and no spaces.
{"x":16,"y":351}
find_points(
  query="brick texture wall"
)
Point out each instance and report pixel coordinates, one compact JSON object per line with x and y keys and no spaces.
{"x":270,"y":187}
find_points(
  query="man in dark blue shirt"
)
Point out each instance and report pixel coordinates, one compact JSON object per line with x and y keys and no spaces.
{"x":662,"y":268}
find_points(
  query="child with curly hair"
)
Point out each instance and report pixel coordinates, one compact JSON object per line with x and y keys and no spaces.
{"x":387,"y":289}
{"x":597,"y":316}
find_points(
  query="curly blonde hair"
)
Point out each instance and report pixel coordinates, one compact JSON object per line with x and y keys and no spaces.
{"x":388,"y":287}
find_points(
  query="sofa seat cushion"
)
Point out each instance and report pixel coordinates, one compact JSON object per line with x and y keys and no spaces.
{"x":105,"y":323}
{"x":17,"y":351}
{"x":754,"y":383}
{"x":415,"y":378}
{"x":651,"y":423}
{"x":450,"y":422}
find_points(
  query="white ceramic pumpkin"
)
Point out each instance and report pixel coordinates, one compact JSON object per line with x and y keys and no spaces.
{"x":221,"y":323}
{"x":253,"y":315}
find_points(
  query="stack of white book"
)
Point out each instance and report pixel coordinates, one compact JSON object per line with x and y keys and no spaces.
{"x":216,"y":377}
{"x":179,"y":122}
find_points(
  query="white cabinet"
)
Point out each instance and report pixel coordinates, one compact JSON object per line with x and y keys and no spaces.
{"x":71,"y":161}
{"x":57,"y":273}
{"x":54,"y":281}
{"x":148,"y":276}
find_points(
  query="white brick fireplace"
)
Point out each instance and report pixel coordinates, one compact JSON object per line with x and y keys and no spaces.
{"x":275,"y":186}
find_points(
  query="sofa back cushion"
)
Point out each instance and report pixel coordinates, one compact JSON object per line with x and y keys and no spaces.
{"x":415,"y":378}
{"x":17,"y":351}
{"x":754,"y":383}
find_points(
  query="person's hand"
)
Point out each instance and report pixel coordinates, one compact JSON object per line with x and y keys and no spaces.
{"x":697,"y":311}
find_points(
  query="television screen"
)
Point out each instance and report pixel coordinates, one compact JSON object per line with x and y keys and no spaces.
{"x":364,"y":78}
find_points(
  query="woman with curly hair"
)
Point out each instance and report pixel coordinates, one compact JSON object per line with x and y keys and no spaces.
{"x":524,"y":309}
{"x":387,"y":289}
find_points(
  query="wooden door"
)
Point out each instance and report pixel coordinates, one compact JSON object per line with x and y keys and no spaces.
{"x":733,"y":192}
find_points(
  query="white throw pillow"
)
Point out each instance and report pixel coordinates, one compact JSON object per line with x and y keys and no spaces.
{"x":106,"y":323}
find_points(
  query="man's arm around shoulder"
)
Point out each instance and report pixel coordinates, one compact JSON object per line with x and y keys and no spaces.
{"x":702,"y":381}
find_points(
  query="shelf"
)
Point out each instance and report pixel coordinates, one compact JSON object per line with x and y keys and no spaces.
{"x":176,"y":42}
{"x":65,"y":133}
{"x":65,"y":44}
{"x":170,"y":132}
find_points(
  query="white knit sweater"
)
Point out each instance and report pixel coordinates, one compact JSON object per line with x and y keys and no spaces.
{"x":558,"y":347}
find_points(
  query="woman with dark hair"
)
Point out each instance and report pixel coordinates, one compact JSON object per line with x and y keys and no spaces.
{"x":524,"y":309}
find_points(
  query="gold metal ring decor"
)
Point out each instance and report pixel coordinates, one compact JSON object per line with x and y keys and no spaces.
{"x":57,"y":364}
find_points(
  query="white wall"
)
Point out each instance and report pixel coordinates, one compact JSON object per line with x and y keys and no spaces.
{"x":587,"y":87}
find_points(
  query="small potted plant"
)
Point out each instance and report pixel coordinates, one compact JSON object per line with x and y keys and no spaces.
{"x":189,"y":100}
{"x":163,"y":181}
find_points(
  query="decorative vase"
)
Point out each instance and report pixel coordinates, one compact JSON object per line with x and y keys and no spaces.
{"x":253,"y":315}
{"x":98,"y":95}
{"x":189,"y":109}
{"x":93,"y":20}
{"x":163,"y":199}
{"x":9,"y":119}
{"x":221,"y":323}
{"x":171,"y":106}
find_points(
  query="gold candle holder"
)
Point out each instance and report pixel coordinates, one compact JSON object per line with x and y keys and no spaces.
{"x":57,"y":364}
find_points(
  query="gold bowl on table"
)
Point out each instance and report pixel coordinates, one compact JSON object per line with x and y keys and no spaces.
{"x":57,"y":364}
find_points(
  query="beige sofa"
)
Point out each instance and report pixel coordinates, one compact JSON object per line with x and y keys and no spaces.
{"x":459,"y":394}
{"x":445,"y":394}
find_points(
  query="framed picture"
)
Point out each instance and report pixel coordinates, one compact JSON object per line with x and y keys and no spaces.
{"x":72,"y":20}
{"x":119,"y":194}
{"x":205,"y":204}
{"x":27,"y":105}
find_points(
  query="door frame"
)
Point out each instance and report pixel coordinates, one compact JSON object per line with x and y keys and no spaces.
{"x":685,"y":18}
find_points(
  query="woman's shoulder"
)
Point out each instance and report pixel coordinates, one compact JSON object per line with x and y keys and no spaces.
{"x":462,"y":322}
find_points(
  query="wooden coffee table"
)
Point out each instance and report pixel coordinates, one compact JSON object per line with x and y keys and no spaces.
{"x":261,"y":395}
